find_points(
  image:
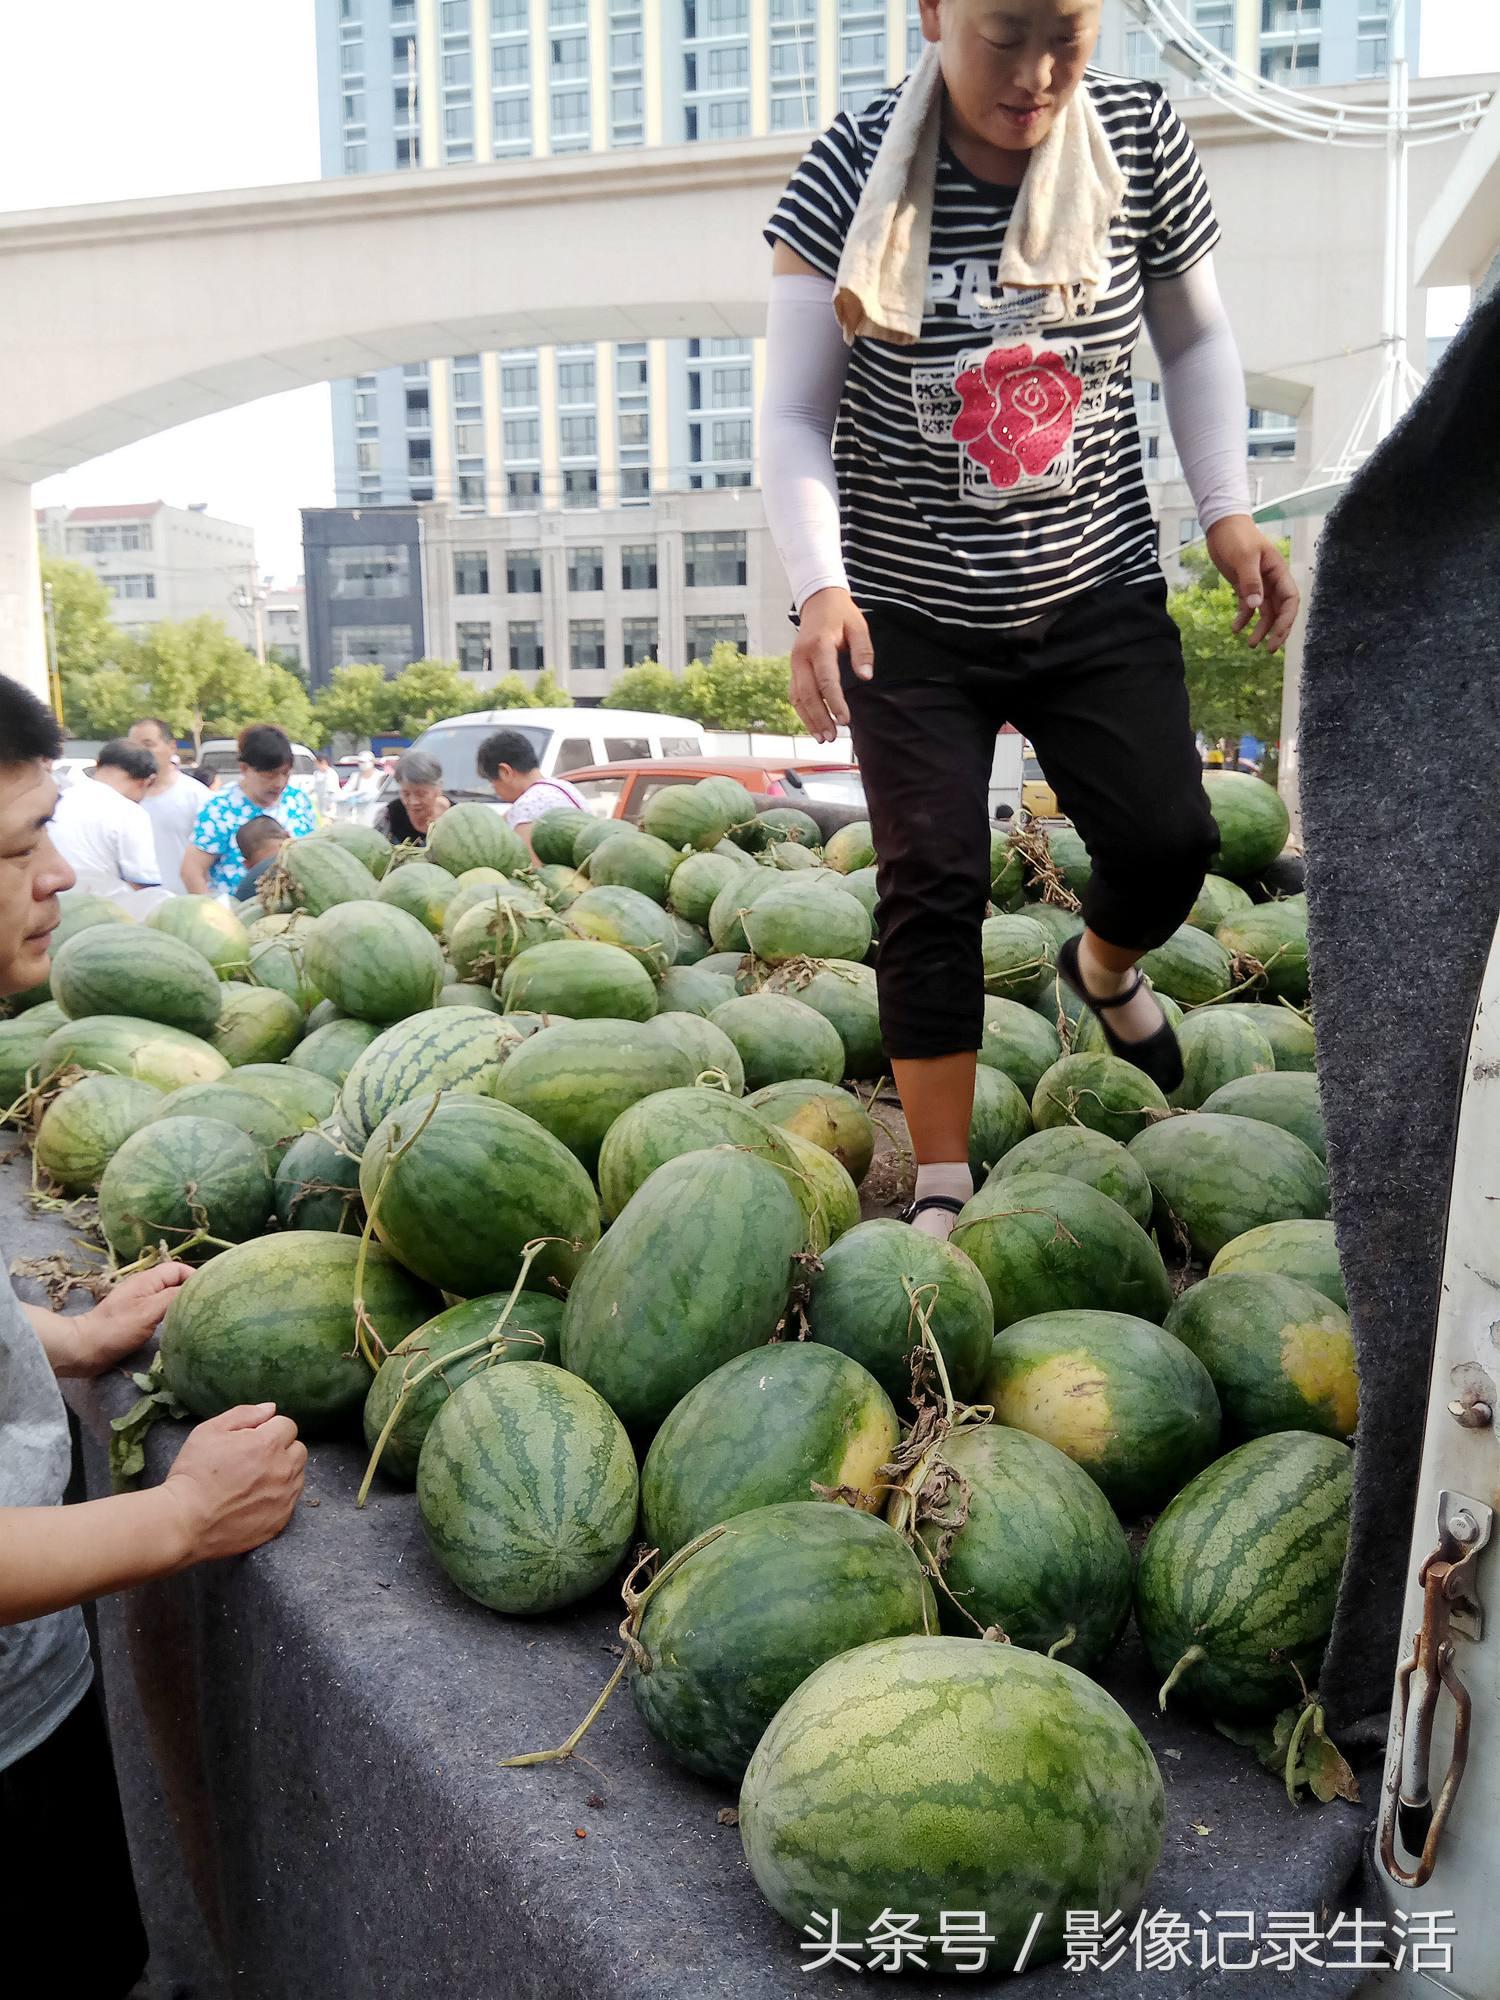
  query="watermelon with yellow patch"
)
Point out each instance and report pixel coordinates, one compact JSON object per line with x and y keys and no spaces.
{"x":1281,"y":1354}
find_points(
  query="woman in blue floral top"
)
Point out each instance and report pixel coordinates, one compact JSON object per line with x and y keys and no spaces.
{"x":213,"y":863}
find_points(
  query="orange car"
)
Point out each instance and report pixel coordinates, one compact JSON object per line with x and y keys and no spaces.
{"x":620,"y":791}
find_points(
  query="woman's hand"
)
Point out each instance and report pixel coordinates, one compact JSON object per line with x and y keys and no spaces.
{"x":1260,"y":577}
{"x":832,"y":623}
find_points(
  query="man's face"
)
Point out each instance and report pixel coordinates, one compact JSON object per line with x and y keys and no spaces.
{"x":1010,"y":66}
{"x":149,"y":737}
{"x":32,"y":874}
{"x":423,"y":804}
{"x":264,"y":788}
{"x":509,"y":783}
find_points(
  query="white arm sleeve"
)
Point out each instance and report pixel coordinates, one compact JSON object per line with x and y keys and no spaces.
{"x":1203,"y":387}
{"x":806,"y":360}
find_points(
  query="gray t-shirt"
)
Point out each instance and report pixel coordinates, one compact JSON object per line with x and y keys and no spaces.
{"x":172,"y":814}
{"x":45,"y":1667}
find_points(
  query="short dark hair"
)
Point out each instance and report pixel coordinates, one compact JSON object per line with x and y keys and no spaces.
{"x":264,"y":747}
{"x":259,"y":835}
{"x":163,"y":728}
{"x":127,"y":757}
{"x":506,"y":746}
{"x":28,"y":729}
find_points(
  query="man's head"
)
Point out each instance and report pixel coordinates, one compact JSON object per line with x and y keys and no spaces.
{"x":265,"y":762}
{"x":323,"y":761}
{"x":1010,"y":66}
{"x":152,"y":734}
{"x":419,"y":778}
{"x":259,"y":837}
{"x":32,"y":872}
{"x":126,"y":768}
{"x":509,"y":762}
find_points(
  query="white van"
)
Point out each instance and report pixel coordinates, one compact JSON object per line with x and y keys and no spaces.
{"x":564,"y":739}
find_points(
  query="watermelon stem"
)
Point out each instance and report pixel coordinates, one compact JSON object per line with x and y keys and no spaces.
{"x":1061,"y":1645}
{"x":1188,"y":1661}
{"x":366,"y":1334}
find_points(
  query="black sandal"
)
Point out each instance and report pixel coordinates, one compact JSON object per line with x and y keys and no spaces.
{"x":951,"y":1202}
{"x":1158,"y":1056}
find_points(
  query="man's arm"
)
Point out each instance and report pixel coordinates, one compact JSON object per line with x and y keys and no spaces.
{"x":196,"y":863}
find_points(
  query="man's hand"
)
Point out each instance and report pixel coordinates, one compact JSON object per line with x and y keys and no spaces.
{"x":832,"y":623}
{"x":235,"y":1482}
{"x":90,"y":1342}
{"x":1260,"y":577}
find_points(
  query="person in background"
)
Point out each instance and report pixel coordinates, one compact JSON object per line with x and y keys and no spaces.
{"x":363,"y":789}
{"x":233,"y":1486}
{"x":173,"y":800}
{"x":102,"y":831}
{"x":326,"y":788}
{"x":409,"y":817}
{"x":259,"y":840}
{"x":213,"y":862}
{"x":206,"y":776}
{"x":508,"y":761}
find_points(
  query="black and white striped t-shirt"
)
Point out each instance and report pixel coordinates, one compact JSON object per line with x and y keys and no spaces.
{"x":993,"y":468}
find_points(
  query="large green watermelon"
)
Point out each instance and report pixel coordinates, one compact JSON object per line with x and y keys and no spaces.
{"x":84,"y":1127}
{"x":1082,"y":1154}
{"x":844,"y":994}
{"x":315,"y":875}
{"x":485,"y":886}
{"x":1302,"y":1250}
{"x":739,"y":895}
{"x":805,"y":918}
{"x":1218,"y":1048}
{"x":697,"y":880}
{"x":693,"y":945}
{"x":279,"y":959}
{"x":80,"y":911}
{"x":448,"y":1049}
{"x":789,"y":823}
{"x":1237,"y":1582}
{"x":211,"y":930}
{"x":527,"y":1488}
{"x":828,"y":1198}
{"x":1044,"y":1243}
{"x":256,"y":1024}
{"x":720,"y":1659}
{"x":474,"y":835}
{"x":1089,"y":1038}
{"x":737,"y":803}
{"x":582,"y":981}
{"x":831,"y":1118}
{"x":1216,"y":1177}
{"x":1217,"y":899}
{"x":178,"y":1178}
{"x":780,"y":1039}
{"x":635,"y":861}
{"x":373,"y":962}
{"x":926,"y":1775}
{"x":1068,"y":855}
{"x":485,"y":939}
{"x":332,"y":1050}
{"x":1001,"y":1119}
{"x":1018,"y":1042}
{"x":1018,"y":954}
{"x":618,"y":915}
{"x":1252,"y":821}
{"x":1290,"y":1036}
{"x":579,"y":1076}
{"x":422,"y":889}
{"x":366,"y":843}
{"x":126,"y":968}
{"x":1104,"y":1093}
{"x":552,"y":835}
{"x":1273,"y":937}
{"x":1281,"y":1354}
{"x":21,"y":1044}
{"x":1191,"y":967}
{"x":300,"y":1095}
{"x":119,"y":1045}
{"x":317,"y":1187}
{"x":273,"y":1127}
{"x":686,"y":816}
{"x":1288,"y":1098}
{"x":874,"y":1285}
{"x":696,"y":1269}
{"x":693,"y":989}
{"x":668,"y":1124}
{"x":715,"y":1059}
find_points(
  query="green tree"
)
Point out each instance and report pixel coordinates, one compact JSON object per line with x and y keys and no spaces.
{"x":202,"y":681}
{"x":1232,"y":691}
{"x":729,"y":691}
{"x":548,"y":692}
{"x":356,"y":702}
{"x":101,"y":704}
{"x":82,"y":617}
{"x":510,"y":691}
{"x":650,"y":687}
{"x":427,"y":691}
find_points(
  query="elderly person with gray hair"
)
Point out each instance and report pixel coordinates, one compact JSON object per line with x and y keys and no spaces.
{"x":409,"y":817}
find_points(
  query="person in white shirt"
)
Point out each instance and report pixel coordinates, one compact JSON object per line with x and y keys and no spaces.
{"x":173,"y":799}
{"x":326,"y":788}
{"x":509,"y":762}
{"x":101,"y":829}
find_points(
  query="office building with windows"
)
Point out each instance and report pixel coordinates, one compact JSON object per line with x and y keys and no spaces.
{"x":1291,"y":42}
{"x":159,"y":562}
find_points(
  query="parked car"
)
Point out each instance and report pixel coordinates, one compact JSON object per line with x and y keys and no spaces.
{"x":1037,"y":796}
{"x":622,"y":790}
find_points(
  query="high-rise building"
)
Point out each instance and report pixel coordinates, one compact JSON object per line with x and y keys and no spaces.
{"x":1293,"y":42}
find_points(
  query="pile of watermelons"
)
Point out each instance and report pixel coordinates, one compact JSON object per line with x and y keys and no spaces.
{"x":547,"y":1171}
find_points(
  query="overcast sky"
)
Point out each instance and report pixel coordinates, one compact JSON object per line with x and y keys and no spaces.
{"x":107,"y":102}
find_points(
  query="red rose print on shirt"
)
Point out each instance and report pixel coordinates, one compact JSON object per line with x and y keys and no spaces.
{"x":1018,"y":409}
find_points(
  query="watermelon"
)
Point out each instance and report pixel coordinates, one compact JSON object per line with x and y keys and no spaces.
{"x":583,"y":981}
{"x":1302,"y":1250}
{"x":483,"y":886}
{"x":844,"y":994}
{"x":1218,"y":899}
{"x":865,"y":1297}
{"x":256,"y":1024}
{"x":317,"y":1186}
{"x":458,"y":1189}
{"x":561,"y":885}
{"x":715,"y":1059}
{"x":527,"y":1488}
{"x":593,"y":833}
{"x":578,"y":1077}
{"x":828,"y":1198}
{"x":332,"y":1050}
{"x":301,"y":1096}
{"x":1191,"y":966}
{"x":1124,"y":1399}
{"x":1237,"y":1582}
{"x":780,"y":1039}
{"x":719,"y":1663}
{"x":740,"y":894}
{"x":696,"y":882}
{"x":473,"y":835}
{"x":1059,"y":924}
{"x":281,"y":962}
{"x":1288,"y":1099}
{"x":1215,"y":1177}
{"x":737,"y":804}
{"x":630,"y":860}
{"x":112,"y":969}
{"x":315,"y":874}
{"x":1280,"y":1353}
{"x":120,"y":1045}
{"x":203,"y":923}
{"x":686,"y":816}
{"x":670,"y":1123}
{"x":1059,"y":1004}
{"x":270,"y":1126}
{"x":775,"y":1424}
{"x":1067,"y":854}
{"x":1105,"y":1093}
{"x":273,"y":1321}
{"x":84,"y":1127}
{"x":454,"y":995}
{"x":529,"y":1331}
{"x":863,"y":885}
{"x":1018,"y":954}
{"x":726,"y":965}
{"x":366,"y":843}
{"x":631,"y":921}
{"x":423,"y":890}
{"x":1007,"y":871}
{"x":1080,"y":1154}
{"x":1018,"y":1043}
{"x":697,"y":1268}
{"x":1290,"y":1035}
{"x":180,"y":1177}
{"x":830,"y":1118}
{"x":1044,"y":1243}
{"x":1272,"y":937}
{"x":1252,"y":821}
{"x":80,"y":911}
{"x":1218,"y":1048}
{"x":552,"y":835}
{"x":933,"y":1774}
{"x":693,"y":945}
{"x":851,"y":848}
{"x":1001,"y":1119}
{"x":1039,"y":1554}
{"x":373,"y":962}
{"x":803,"y":919}
{"x":690,"y":989}
{"x":1088,"y":1034}
{"x":779,"y":823}
{"x":21,"y":1044}
{"x":452,"y":1049}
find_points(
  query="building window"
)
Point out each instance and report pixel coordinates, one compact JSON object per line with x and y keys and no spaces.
{"x":729,"y":69}
{"x":631,"y":372}
{"x":512,"y":123}
{"x":639,"y":635}
{"x":404,"y":55}
{"x":570,"y":58}
{"x":634,"y":428}
{"x":729,"y":388}
{"x":470,"y":485}
{"x":355,"y":158}
{"x":714,"y":559}
{"x":104,"y":540}
{"x":508,"y":17}
{"x":455,"y":17}
{"x":130,"y":586}
{"x":352,"y":59}
{"x":518,"y":384}
{"x":409,"y":152}
{"x":578,"y":437}
{"x":570,"y":115}
{"x":731,"y":439}
{"x":474,"y":649}
{"x":468,"y":437}
{"x":703,"y":634}
{"x":458,"y":124}
{"x":627,"y":48}
{"x":388,"y":646}
{"x":581,"y":486}
{"x":586,"y":645}
{"x":418,"y":408}
{"x":466,"y":380}
{"x":458,"y":69}
{"x":585,"y":569}
{"x":526,"y":648}
{"x":575,"y":380}
{"x":374,"y":569}
{"x":366,"y":406}
{"x":1297,"y":63}
{"x":510,"y":65}
{"x":523,"y":437}
{"x":524,"y":489}
{"x":638,"y":566}
{"x":523,"y":572}
{"x":471,"y":573}
{"x":635,"y":484}
{"x":419,"y":459}
{"x":1214,"y":20}
{"x":728,"y":118}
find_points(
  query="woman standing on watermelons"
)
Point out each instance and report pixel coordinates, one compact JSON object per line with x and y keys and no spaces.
{"x":952,"y":476}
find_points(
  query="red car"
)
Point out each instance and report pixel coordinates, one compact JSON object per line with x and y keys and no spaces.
{"x":620,"y":791}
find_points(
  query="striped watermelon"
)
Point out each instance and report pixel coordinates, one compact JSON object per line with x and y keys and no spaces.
{"x":552,"y":835}
{"x":1081,"y":1154}
{"x":1288,"y":1098}
{"x":1044,"y":1244}
{"x":317,"y":1187}
{"x":1124,"y":1399}
{"x":1218,"y":899}
{"x":850,"y":848}
{"x":1059,"y":924}
{"x":302,"y":1097}
{"x":865,"y":1296}
{"x":332,"y":1050}
{"x":273,"y":1321}
{"x":1007,"y":871}
{"x":204,"y":924}
{"x":1216,"y":1177}
{"x":473,"y":835}
{"x":780,"y":1039}
{"x":1217,"y":1049}
{"x":1104,"y":1093}
{"x":1001,"y":1119}
{"x":927,"y":1775}
{"x":579,"y":981}
{"x":726,"y":916}
{"x":1302,"y":1250}
{"x":527,"y":1488}
{"x":1192,"y":967}
{"x":1253,"y":823}
{"x":1273,"y":938}
{"x":458,"y":1197}
{"x":1019,"y":1043}
{"x":623,"y":917}
{"x":1290,"y":1036}
{"x":281,"y":961}
{"x":488,"y":937}
{"x":696,"y":882}
{"x":686,"y":816}
{"x":1059,"y":1004}
{"x":804,"y":919}
{"x":366,"y":843}
{"x":864,"y":884}
{"x":315,"y":875}
{"x":1235,"y":1592}
{"x":715,"y":1059}
{"x":1018,"y":954}
{"x":21,"y":1044}
{"x":632,"y":860}
{"x":829,"y":1200}
{"x":120,"y":1045}
{"x":454,"y":995}
{"x":83,"y":1128}
{"x":448,"y":1049}
{"x":693,"y":945}
{"x":530,"y":1332}
{"x":788,"y":823}
{"x":422,"y":889}
{"x":691,"y":989}
{"x":118,"y":968}
{"x":738,"y":804}
{"x":1068,"y":855}
{"x":844,"y":994}
{"x":256,"y":1024}
{"x":271,"y":1127}
{"x":560,"y":884}
{"x":831,"y":1118}
{"x":177,"y":1178}
{"x":668,"y":1124}
{"x":373,"y":962}
{"x":646,"y":1319}
{"x":1281,"y":1354}
{"x":721,"y":1657}
{"x":578,"y":1077}
{"x":593,"y":833}
{"x":483,"y":885}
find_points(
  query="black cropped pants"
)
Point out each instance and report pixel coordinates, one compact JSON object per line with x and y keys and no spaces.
{"x":1097,"y":686}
